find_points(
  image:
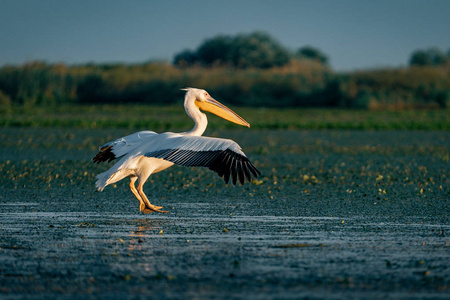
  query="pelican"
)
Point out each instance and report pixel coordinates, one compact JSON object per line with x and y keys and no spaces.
{"x":147,"y":152}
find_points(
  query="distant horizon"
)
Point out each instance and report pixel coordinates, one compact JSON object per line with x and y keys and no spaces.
{"x":355,"y":35}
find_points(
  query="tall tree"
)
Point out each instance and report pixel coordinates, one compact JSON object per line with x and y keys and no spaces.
{"x":429,"y":57}
{"x":255,"y":50}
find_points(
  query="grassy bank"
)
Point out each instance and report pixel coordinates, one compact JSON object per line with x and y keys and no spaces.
{"x":173,"y":117}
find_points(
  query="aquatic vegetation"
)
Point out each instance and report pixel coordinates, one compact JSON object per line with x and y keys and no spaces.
{"x":348,"y":166}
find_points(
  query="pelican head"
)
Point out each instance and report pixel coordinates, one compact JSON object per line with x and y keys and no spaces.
{"x":205,"y":102}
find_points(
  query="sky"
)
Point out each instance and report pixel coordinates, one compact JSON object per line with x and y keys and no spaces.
{"x":354,"y":34}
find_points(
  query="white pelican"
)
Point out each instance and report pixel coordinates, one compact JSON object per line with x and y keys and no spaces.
{"x":146,"y":152}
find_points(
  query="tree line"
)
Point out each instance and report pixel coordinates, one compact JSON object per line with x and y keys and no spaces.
{"x":253,"y":70}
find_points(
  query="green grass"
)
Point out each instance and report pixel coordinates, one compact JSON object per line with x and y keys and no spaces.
{"x":162,"y":118}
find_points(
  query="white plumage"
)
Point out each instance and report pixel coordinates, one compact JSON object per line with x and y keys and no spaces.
{"x":146,"y":152}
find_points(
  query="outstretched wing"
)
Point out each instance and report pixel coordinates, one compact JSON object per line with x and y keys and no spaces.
{"x":220,"y":155}
{"x":122,"y":146}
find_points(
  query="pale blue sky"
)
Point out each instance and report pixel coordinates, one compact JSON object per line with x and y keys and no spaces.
{"x":355,"y":34}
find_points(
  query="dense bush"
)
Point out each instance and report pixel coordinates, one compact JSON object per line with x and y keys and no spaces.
{"x":38,"y":84}
{"x":415,"y":87}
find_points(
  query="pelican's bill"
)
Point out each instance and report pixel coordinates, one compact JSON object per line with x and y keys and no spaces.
{"x":217,"y":108}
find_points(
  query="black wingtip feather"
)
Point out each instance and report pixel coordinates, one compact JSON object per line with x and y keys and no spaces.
{"x":254,"y":170}
{"x":246,"y":171}
{"x":224,"y":163}
{"x":233,"y":171}
{"x":104,"y":154}
{"x":240,"y":172}
{"x":226,"y":176}
{"x":236,"y":167}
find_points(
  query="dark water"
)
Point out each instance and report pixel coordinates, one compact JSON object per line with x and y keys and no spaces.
{"x":337,"y":214}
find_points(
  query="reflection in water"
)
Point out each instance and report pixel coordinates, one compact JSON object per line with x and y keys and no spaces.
{"x":145,"y":227}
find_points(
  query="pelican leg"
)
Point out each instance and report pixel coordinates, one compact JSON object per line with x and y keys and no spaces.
{"x":136,"y":194}
{"x":147,"y":202}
